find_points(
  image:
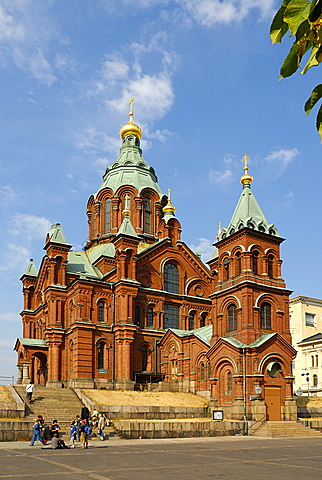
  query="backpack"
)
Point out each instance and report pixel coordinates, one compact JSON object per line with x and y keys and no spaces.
{"x":88,"y":430}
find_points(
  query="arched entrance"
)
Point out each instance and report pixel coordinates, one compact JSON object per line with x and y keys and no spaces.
{"x":39,"y":368}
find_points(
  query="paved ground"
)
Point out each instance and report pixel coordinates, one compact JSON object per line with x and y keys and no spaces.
{"x":228,"y":458}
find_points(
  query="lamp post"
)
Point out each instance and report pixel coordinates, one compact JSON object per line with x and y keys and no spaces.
{"x":307,"y":375}
{"x":258,"y":391}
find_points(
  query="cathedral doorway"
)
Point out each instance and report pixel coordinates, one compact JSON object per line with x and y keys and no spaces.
{"x":273,"y":403}
{"x":40,"y":369}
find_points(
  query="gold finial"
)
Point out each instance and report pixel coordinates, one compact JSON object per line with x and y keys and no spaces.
{"x":219,"y":230}
{"x":169,"y":207}
{"x":130,"y":128}
{"x":246,"y":179}
{"x":126,"y":210}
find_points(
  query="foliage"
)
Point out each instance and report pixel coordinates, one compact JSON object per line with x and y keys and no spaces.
{"x":303,"y":19}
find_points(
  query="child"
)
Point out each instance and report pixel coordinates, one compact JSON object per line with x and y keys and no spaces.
{"x":72,"y":434}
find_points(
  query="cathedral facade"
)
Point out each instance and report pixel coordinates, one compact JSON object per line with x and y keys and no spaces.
{"x":137,"y":308}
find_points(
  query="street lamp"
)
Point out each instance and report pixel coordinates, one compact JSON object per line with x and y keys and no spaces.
{"x":299,"y":392}
{"x":258,"y":391}
{"x":307,"y":375}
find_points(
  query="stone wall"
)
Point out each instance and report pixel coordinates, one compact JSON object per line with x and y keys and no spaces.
{"x":14,"y":431}
{"x":133,"y":430}
{"x":15,"y":409}
{"x":152,"y":413}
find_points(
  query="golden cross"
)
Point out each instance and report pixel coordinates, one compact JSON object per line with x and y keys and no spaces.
{"x":244,"y":160}
{"x":130,"y":103}
{"x":169,"y":191}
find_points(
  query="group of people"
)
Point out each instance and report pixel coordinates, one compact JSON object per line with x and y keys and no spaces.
{"x":80,"y":429}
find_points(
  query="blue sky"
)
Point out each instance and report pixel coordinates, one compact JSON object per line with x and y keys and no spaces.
{"x":204,"y":76}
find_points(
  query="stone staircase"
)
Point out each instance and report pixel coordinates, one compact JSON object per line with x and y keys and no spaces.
{"x":284,"y":429}
{"x":61,"y":404}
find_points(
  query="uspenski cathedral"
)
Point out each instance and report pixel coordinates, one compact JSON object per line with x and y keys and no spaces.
{"x":137,"y":308}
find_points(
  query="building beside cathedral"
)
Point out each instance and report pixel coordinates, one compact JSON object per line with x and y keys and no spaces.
{"x":138,"y":308}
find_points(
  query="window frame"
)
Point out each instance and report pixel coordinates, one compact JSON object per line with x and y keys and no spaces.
{"x":171,"y":278}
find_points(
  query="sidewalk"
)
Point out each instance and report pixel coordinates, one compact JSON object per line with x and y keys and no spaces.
{"x":123,"y":442}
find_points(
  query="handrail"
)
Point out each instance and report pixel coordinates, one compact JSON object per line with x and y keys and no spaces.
{"x":261,"y":421}
{"x":12,"y":378}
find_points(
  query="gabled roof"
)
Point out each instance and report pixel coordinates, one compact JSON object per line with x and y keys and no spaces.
{"x":31,"y":342}
{"x":313,"y":338}
{"x":127,"y":228}
{"x":79,"y":263}
{"x":257,"y":343}
{"x":102,"y":250}
{"x":203,"y":333}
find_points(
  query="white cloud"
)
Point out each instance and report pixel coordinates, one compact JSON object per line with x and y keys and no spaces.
{"x":207,"y":13}
{"x":282,"y":158}
{"x":94,"y":141}
{"x":27,"y":32}
{"x":205,"y":248}
{"x":216,"y":176}
{"x":7,"y":195}
{"x":14,"y":256}
{"x":29,"y":226}
{"x":289,"y":195}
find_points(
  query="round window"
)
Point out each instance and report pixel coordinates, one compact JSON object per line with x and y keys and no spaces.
{"x":273,"y":369}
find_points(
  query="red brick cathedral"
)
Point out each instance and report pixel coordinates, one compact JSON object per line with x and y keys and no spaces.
{"x":138,"y":309}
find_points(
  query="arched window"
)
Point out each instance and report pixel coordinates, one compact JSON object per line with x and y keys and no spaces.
{"x":270,"y":262}
{"x":101,"y":312}
{"x":238,"y":264}
{"x":255,"y":256}
{"x":144,"y":350}
{"x":107,"y":215}
{"x":315,"y":380}
{"x":171,"y":316}
{"x":229,"y":383}
{"x":150,"y":317}
{"x":192,"y":321}
{"x":147,"y":215}
{"x":100,"y":355}
{"x":232,"y":318}
{"x":203,"y":320}
{"x":226,"y":268}
{"x":137,"y":315}
{"x":209,"y":370}
{"x":171,"y":278}
{"x":266,"y":316}
{"x":202,"y":370}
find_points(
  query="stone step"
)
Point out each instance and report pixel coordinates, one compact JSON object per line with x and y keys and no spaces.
{"x":285,"y":429}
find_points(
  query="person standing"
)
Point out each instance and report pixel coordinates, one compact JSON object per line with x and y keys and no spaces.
{"x":101,"y":426}
{"x":83,"y":434}
{"x":85,"y":414}
{"x":54,"y":428}
{"x":29,"y":391}
{"x":72,"y":434}
{"x":36,"y":433}
{"x":78,"y":423}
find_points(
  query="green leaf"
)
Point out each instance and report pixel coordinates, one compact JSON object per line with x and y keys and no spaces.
{"x":278,"y":27}
{"x":313,"y":99}
{"x":315,"y":10}
{"x":312,"y":61}
{"x":319,"y":122}
{"x":290,"y":64}
{"x":297,"y":11}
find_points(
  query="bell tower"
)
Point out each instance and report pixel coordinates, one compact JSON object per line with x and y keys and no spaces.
{"x":250,"y":298}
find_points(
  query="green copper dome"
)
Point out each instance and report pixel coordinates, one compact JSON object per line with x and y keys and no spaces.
{"x":130,"y":168}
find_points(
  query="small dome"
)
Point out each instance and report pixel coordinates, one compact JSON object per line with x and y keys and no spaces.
{"x":130,"y":128}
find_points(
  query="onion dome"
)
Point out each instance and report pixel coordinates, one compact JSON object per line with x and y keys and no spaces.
{"x":246,"y":179}
{"x":130,"y":128}
{"x":169,"y":208}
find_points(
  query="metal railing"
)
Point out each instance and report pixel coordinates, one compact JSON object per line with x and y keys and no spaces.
{"x":256,"y":425}
{"x":3,"y":378}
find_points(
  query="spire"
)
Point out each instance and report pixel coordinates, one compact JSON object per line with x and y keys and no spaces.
{"x":247,"y":212}
{"x":31,"y":269}
{"x":126,"y":227}
{"x":130,"y":128}
{"x":56,"y":234}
